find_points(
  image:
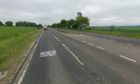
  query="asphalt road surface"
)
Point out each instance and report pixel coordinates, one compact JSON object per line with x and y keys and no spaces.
{"x":59,"y":59}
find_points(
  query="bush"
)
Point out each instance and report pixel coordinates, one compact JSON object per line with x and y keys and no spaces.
{"x":9,"y":23}
{"x":1,"y":24}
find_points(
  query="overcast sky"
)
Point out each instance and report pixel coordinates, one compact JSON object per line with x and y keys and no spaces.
{"x":100,"y":12}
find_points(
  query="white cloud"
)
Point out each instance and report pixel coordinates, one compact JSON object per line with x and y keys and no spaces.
{"x":91,"y":9}
{"x":100,"y":12}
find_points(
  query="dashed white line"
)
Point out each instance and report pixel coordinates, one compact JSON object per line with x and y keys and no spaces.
{"x":73,"y":54}
{"x":96,"y":46}
{"x":84,"y":41}
{"x":100,"y":48}
{"x":91,"y":44}
{"x":127,"y":58}
{"x":57,"y":38}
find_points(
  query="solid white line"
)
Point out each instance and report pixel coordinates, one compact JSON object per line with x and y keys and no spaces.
{"x":26,"y":67}
{"x":73,"y":54}
{"x":127,"y":58}
{"x":57,"y":38}
{"x":23,"y":74}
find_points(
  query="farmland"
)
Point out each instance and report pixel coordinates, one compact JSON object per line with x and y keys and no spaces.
{"x":126,"y":31}
{"x":14,"y":41}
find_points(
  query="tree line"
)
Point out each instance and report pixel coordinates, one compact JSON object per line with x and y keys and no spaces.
{"x":79,"y":22}
{"x":20,"y":23}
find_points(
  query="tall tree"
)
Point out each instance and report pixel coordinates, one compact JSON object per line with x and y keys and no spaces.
{"x":71,"y":24}
{"x":63,"y":23}
{"x":9,"y":23}
{"x":1,"y":23}
{"x":82,"y":21}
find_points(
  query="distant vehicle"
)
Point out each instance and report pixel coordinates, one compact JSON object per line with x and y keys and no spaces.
{"x":45,"y":28}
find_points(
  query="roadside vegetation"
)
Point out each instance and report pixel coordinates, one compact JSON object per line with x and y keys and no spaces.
{"x":81,"y":23}
{"x":78,"y":23}
{"x":14,"y":41}
{"x":123,"y":31}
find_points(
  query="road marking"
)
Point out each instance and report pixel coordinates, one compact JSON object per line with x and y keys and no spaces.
{"x":23,"y":74}
{"x":57,"y":38}
{"x":73,"y":54}
{"x":96,"y":46}
{"x":91,"y":44}
{"x":127,"y":58}
{"x":26,"y":67}
{"x":100,"y":47}
{"x":48,"y":53}
{"x":84,"y":41}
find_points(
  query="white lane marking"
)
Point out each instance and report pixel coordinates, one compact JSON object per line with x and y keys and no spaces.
{"x":48,"y":53}
{"x":127,"y":58}
{"x":26,"y":67}
{"x":91,"y":44}
{"x":96,"y":46}
{"x":73,"y":54}
{"x":57,"y":38}
{"x":84,"y":41}
{"x":23,"y":74}
{"x":100,"y":47}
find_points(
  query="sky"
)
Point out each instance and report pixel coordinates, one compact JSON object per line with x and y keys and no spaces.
{"x":100,"y":12}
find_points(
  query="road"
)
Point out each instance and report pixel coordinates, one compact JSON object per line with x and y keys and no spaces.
{"x":59,"y":59}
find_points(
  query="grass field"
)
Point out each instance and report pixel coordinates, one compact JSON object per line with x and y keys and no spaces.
{"x":130,"y":31}
{"x":14,"y":41}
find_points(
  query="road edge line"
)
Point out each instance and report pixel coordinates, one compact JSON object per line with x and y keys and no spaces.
{"x":27,"y":58}
{"x":127,"y":58}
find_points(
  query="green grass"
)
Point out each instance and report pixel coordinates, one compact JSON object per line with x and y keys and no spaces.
{"x":131,"y":32}
{"x":14,"y":41}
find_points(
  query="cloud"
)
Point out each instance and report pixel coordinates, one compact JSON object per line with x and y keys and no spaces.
{"x":100,"y":12}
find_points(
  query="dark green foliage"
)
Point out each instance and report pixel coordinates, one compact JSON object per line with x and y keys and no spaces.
{"x":63,"y":23}
{"x":26,"y":24}
{"x":79,"y":23}
{"x":71,"y":23}
{"x":112,"y":28}
{"x":1,"y":23}
{"x":9,"y":23}
{"x":82,"y":21}
{"x":40,"y":26}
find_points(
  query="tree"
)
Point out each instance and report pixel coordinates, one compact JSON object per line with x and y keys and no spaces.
{"x":112,"y":28}
{"x":1,"y":23}
{"x":26,"y":24}
{"x":70,"y":23}
{"x":63,"y":23}
{"x":40,"y":26}
{"x":82,"y":21}
{"x":9,"y":23}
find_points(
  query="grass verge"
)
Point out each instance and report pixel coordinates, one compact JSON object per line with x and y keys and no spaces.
{"x":14,"y":42}
{"x":130,"y":32}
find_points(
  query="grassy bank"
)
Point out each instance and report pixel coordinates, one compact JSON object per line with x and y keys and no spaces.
{"x":14,"y":41}
{"x":131,"y":32}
